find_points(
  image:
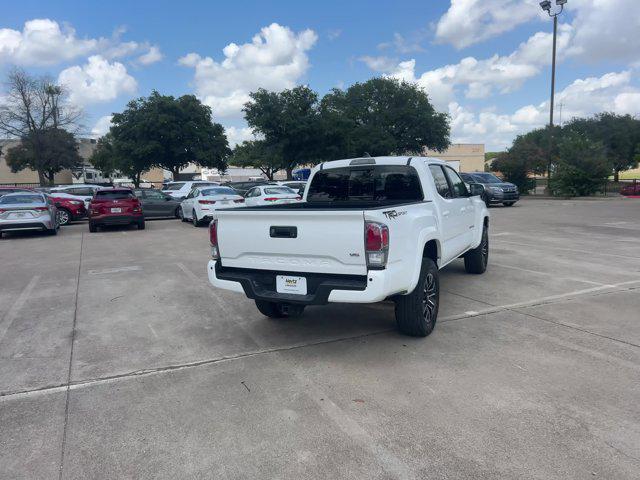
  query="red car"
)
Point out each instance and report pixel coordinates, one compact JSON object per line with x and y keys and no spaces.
{"x":633,"y":189}
{"x":69,"y":209}
{"x":115,"y":206}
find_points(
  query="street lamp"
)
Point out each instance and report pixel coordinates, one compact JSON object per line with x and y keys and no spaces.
{"x":546,"y":6}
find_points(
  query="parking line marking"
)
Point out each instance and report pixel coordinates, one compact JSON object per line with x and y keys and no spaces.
{"x":12,"y":313}
{"x":537,"y":272}
{"x":152,"y":330}
{"x":106,"y":271}
{"x":538,"y":301}
{"x":574,"y":250}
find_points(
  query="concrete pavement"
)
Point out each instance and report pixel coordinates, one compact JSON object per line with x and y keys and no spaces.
{"x":117,"y":360}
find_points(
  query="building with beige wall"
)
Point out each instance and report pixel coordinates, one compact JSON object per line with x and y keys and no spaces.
{"x":86,"y":147}
{"x":467,"y":157}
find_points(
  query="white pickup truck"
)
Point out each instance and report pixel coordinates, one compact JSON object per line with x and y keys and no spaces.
{"x":368,"y":229}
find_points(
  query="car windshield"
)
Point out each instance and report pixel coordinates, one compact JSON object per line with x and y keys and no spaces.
{"x":174,"y":186}
{"x":385,"y":184}
{"x":280,"y":190}
{"x":26,"y":198}
{"x":486,"y":178}
{"x":114,"y":194}
{"x":219,"y":191}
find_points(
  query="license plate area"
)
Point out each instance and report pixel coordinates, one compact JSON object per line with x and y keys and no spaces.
{"x":116,"y":210}
{"x":291,"y":284}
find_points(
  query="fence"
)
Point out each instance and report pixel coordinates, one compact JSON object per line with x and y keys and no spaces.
{"x":608,"y":188}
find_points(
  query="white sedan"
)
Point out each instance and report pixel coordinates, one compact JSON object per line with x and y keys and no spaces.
{"x":270,"y":195}
{"x":201,"y":201}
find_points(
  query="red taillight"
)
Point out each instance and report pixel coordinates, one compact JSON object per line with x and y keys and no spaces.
{"x":2,"y":210}
{"x":376,"y":242}
{"x":206,"y":202}
{"x":213,"y":239}
{"x":41,"y":209}
{"x":271,"y":199}
{"x":239,"y":200}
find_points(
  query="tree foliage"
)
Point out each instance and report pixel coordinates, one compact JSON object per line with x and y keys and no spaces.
{"x":289,"y":123}
{"x":46,"y":151}
{"x":382,"y":116}
{"x":166,"y":132}
{"x":583,"y":167}
{"x":257,"y":154}
{"x":618,"y":134}
{"x":36,"y":110}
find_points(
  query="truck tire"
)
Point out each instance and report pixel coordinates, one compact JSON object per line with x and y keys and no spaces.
{"x":278,"y":310}
{"x":475,"y":261}
{"x":416,"y":312}
{"x":93,"y":228}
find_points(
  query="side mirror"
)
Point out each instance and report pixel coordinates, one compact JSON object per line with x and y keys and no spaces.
{"x":476,"y":189}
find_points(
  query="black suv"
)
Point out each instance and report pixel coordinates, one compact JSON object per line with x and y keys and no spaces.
{"x":495,"y":190}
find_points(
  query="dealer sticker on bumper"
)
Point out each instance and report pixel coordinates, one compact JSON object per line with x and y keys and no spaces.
{"x":287,"y":284}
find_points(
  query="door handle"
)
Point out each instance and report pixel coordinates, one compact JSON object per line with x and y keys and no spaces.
{"x":445,"y":213}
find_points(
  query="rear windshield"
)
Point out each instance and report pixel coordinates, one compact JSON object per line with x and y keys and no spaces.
{"x":114,"y":194}
{"x":384,"y":184}
{"x":174,"y":186}
{"x":26,"y":198}
{"x":219,"y":191}
{"x":277,"y":190}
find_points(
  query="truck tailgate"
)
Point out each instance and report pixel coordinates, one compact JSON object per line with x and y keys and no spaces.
{"x":294,"y":241}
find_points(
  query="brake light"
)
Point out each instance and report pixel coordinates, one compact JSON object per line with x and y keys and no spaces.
{"x":376,"y":242}
{"x":213,"y":239}
{"x":271,"y":199}
{"x":240,"y":200}
{"x":206,"y":202}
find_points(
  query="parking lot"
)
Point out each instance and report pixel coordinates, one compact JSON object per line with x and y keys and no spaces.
{"x":117,"y":359}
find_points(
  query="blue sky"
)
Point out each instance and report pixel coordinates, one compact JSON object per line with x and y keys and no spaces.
{"x":485,"y":62}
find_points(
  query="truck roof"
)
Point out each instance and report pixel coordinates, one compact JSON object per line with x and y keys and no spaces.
{"x":403,"y":160}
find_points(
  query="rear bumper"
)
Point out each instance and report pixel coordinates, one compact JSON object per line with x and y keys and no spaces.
{"x":6,"y":226}
{"x":116,"y":219}
{"x":321,"y":288}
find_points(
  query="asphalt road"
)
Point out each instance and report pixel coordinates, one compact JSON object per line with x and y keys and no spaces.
{"x":118,"y":360}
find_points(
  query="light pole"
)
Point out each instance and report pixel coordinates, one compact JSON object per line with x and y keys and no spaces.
{"x":546,"y":6}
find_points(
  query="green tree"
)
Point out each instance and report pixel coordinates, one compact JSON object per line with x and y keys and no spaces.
{"x":37,"y":111}
{"x":583,"y":167}
{"x":528,"y":155}
{"x":111,"y":156}
{"x":169,"y":133}
{"x":257,"y":154}
{"x":618,"y":134}
{"x":47,"y":151}
{"x":382,"y":116}
{"x":290,"y":124}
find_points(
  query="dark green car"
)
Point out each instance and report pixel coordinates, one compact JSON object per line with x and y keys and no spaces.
{"x":156,"y":204}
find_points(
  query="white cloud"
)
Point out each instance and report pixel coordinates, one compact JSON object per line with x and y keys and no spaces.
{"x":275,"y":59}
{"x":406,"y":43}
{"x":102,"y":126}
{"x":606,"y":29}
{"x":612,"y":92}
{"x":42,"y":42}
{"x":96,"y":81}
{"x":236,"y":135}
{"x":380,"y":63}
{"x":152,"y":56}
{"x":472,"y":21}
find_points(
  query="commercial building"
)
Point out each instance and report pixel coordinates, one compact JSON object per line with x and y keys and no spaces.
{"x":464,"y":157}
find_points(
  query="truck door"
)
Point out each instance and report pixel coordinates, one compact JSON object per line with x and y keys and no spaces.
{"x":464,"y":203}
{"x":455,"y":238}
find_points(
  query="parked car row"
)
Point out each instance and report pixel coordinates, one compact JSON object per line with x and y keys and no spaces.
{"x":104,"y":206}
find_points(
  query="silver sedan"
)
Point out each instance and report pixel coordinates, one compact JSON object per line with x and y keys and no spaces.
{"x":27,"y":211}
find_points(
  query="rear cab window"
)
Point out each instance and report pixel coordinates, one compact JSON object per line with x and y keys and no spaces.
{"x":371,"y":184}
